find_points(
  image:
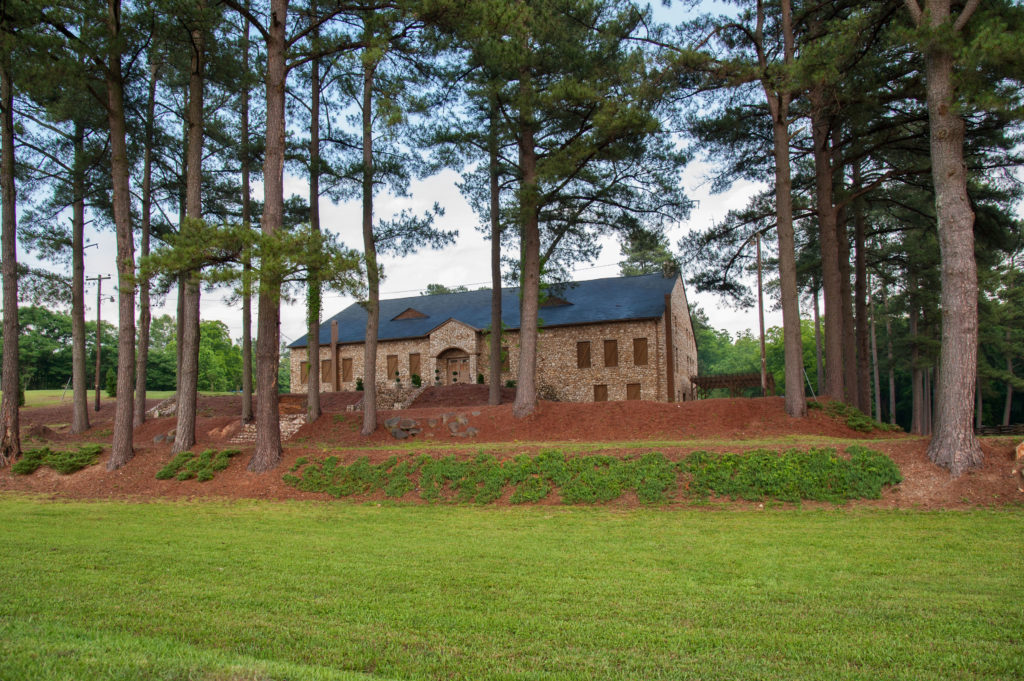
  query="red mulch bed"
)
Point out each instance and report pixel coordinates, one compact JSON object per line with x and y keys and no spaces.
{"x":925,"y":486}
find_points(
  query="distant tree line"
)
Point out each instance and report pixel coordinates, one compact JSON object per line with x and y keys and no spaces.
{"x":45,"y":352}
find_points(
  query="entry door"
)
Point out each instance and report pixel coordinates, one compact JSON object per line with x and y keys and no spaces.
{"x":458,"y":370}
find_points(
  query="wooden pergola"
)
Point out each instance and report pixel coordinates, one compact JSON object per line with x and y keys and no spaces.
{"x":734,"y":383}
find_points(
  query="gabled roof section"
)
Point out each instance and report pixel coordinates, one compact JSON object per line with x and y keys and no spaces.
{"x":410,"y":313}
{"x":451,"y":320}
{"x":555,"y":301}
{"x":586,"y":302}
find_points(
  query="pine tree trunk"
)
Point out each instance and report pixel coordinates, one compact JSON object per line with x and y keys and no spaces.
{"x":874,"y":357}
{"x":817,"y":340}
{"x":10,"y":439}
{"x":954,"y":445}
{"x":121,"y":449}
{"x":313,"y":283}
{"x":526,"y":379}
{"x":370,"y":251}
{"x":142,"y":360}
{"x":494,"y":389}
{"x":79,"y":377}
{"x":188,"y":378}
{"x":979,"y":406}
{"x":830,"y":270}
{"x":860,"y":304}
{"x":778,"y":103}
{"x":917,"y":420}
{"x":268,"y":425}
{"x":247,"y":415}
{"x":1008,"y":405}
{"x":182,"y":215}
{"x":929,"y":406}
{"x":849,"y":343}
{"x":889,"y":358}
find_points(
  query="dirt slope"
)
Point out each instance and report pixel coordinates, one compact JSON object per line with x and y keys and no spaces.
{"x":673,"y":429}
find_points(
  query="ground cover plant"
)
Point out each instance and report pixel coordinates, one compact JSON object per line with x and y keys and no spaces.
{"x":793,"y":475}
{"x":260,"y":590}
{"x":853,"y":417}
{"x":818,"y":474}
{"x":202,"y":467}
{"x":65,"y":462}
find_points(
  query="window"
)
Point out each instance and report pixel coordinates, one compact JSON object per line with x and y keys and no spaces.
{"x":611,"y":353}
{"x":640,"y":352}
{"x":504,"y":358}
{"x":632,"y":391}
{"x":414,"y":363}
{"x":583,"y":355}
{"x":392,"y":366}
{"x":305,"y":372}
{"x":600,"y":393}
{"x":346,"y":369}
{"x":325,"y":371}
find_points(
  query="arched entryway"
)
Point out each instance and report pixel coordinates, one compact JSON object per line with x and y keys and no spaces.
{"x":453,"y":365}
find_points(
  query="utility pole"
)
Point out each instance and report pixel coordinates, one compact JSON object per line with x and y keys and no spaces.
{"x":99,"y":299}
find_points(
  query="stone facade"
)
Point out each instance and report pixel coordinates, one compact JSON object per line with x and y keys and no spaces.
{"x":618,"y":368}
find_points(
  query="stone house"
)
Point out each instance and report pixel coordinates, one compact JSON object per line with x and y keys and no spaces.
{"x":621,"y":338}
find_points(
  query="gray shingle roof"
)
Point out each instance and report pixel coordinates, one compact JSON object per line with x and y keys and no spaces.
{"x":594,"y":300}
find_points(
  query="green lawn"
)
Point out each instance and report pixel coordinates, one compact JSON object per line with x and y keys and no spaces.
{"x":257,"y":590}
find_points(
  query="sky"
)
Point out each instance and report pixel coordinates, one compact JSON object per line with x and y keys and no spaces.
{"x":466,"y":263}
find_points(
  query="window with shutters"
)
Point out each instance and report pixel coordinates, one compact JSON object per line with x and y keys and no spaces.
{"x":392,"y":366}
{"x":632,"y":391}
{"x":583,"y":355}
{"x":601,"y":393}
{"x":346,"y":369}
{"x":640,"y":352}
{"x":325,"y":371}
{"x":414,"y":363}
{"x":305,"y":372}
{"x":611,"y":353}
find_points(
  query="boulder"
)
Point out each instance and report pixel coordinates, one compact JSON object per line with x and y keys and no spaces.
{"x":392,"y":422}
{"x":407,"y":424}
{"x":1020,"y":452}
{"x":399,"y":434}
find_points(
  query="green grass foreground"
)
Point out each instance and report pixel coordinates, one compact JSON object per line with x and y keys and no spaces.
{"x":257,"y":590}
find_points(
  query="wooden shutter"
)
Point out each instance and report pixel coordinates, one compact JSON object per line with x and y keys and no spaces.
{"x":640,"y":352}
{"x":611,"y":353}
{"x":414,"y":363}
{"x":346,"y":369}
{"x":600,"y":393}
{"x":632,"y":391}
{"x":325,"y":371}
{"x":392,"y":366}
{"x":305,"y":372}
{"x":583,"y":355}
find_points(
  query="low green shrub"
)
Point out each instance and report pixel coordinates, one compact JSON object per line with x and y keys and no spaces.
{"x":187,"y":465}
{"x":483,"y":479}
{"x":818,"y":474}
{"x":64,"y":462}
